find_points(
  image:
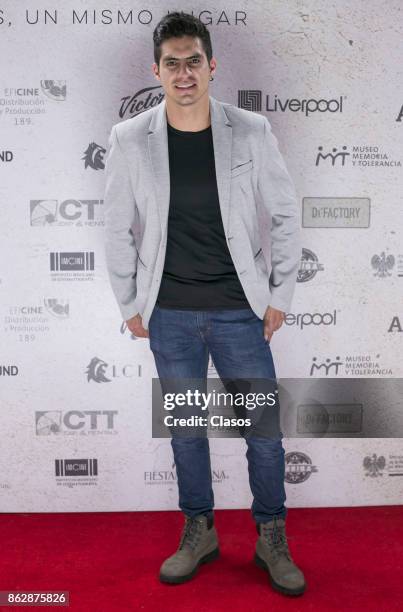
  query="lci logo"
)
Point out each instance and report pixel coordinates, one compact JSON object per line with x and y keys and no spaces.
{"x":94,"y":156}
{"x":298,"y":467}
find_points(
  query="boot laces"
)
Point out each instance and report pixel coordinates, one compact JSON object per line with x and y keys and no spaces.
{"x":191,"y":533}
{"x":275,"y":537}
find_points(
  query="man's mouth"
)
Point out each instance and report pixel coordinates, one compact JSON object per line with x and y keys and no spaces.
{"x":186,"y":86}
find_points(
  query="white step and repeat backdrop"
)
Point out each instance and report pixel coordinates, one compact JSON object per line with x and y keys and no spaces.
{"x":75,"y":386}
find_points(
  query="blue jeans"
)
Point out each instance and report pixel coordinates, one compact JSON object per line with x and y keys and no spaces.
{"x":181,"y":341}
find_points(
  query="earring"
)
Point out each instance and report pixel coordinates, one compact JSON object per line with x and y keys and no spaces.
{"x":211,"y":78}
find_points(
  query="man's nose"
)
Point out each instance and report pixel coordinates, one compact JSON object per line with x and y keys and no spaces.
{"x":184,"y":69}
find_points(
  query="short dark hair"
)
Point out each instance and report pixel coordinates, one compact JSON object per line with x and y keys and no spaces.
{"x":179,"y":24}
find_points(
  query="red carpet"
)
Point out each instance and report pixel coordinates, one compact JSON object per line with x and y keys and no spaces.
{"x":352,"y":559}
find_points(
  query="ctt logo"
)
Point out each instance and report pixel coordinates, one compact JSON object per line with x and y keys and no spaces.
{"x":140,"y":101}
{"x":374,"y":465}
{"x":55,"y":90}
{"x":328,"y":366}
{"x":334,"y":156}
{"x":94,"y":157}
{"x":382,"y":264}
{"x":298,"y":467}
{"x":49,"y":422}
{"x":309,"y":318}
{"x":251,"y":99}
{"x":309,"y":266}
{"x":67,"y":212}
{"x":76,"y":467}
{"x":97,"y":371}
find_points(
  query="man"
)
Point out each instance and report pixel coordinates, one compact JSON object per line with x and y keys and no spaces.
{"x":184,"y":182}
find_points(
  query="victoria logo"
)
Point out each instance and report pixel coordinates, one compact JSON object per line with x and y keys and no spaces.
{"x":142,"y":100}
{"x":94,"y":157}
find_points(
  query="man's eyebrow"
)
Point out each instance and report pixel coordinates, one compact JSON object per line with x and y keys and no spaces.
{"x":171,"y":57}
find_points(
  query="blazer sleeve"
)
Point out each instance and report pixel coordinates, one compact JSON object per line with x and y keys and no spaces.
{"x":278,"y":196}
{"x":120,"y":208}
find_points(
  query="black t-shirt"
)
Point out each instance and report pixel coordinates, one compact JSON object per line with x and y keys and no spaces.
{"x":198,"y":271}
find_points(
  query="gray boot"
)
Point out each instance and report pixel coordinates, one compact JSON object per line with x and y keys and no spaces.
{"x":273,"y":555}
{"x":198,"y":544}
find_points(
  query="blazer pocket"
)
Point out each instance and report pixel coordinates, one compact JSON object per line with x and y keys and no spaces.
{"x":241,"y":168}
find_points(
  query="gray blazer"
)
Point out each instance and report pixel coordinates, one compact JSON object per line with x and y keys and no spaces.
{"x":251,"y":176}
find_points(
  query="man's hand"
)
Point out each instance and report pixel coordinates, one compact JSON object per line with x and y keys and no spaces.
{"x":136,"y":327}
{"x":272,"y":321}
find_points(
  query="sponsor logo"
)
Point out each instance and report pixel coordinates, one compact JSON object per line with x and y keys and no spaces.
{"x":94,"y":156}
{"x":142,"y":100}
{"x":298,"y":467}
{"x":82,"y":422}
{"x":302,"y":320}
{"x":335,"y":212}
{"x":251,"y":99}
{"x":67,"y":212}
{"x":100,"y":371}
{"x":309,"y":266}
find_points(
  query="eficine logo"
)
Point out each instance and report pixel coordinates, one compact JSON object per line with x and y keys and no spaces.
{"x":309,"y":266}
{"x":55,"y":90}
{"x":94,"y":156}
{"x":142,"y":100}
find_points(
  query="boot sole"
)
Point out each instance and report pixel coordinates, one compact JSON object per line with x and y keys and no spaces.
{"x":179,"y":579}
{"x":278,"y":587}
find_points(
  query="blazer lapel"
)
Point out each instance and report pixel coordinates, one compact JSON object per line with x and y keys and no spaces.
{"x":158,"y":151}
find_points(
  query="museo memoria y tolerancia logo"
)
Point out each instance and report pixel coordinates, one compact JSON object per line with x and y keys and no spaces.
{"x":66,"y":213}
{"x":350,"y":365}
{"x":252,"y":99}
{"x":355,"y":156}
{"x":142,"y":100}
{"x":298,"y":467}
{"x":100,"y":371}
{"x":94,"y":156}
{"x":80,"y":422}
{"x":309,"y":266}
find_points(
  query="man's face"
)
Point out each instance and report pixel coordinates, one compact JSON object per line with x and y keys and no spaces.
{"x":184,"y":71}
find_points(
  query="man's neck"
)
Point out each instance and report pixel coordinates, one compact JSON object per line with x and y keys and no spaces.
{"x":191,"y":118}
